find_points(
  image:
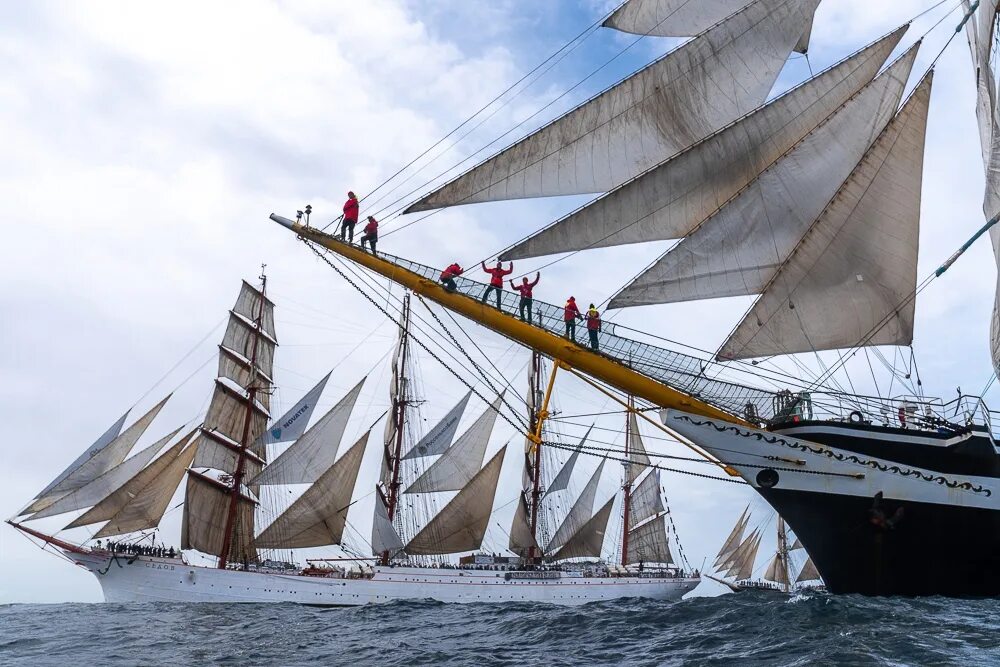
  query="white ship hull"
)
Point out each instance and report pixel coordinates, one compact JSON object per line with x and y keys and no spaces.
{"x":149,"y":579}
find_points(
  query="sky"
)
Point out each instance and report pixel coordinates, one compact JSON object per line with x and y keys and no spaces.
{"x":145,"y":147}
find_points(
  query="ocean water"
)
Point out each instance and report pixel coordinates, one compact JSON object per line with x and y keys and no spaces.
{"x":745,"y":629}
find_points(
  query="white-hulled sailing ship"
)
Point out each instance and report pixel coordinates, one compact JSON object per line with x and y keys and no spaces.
{"x":809,"y":201}
{"x":224,"y":552}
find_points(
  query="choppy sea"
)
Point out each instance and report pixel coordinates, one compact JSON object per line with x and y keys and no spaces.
{"x":745,"y":629}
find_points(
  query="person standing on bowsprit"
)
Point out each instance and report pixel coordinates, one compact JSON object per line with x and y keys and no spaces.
{"x":524,"y":289}
{"x":350,"y":217}
{"x":449,"y":274}
{"x":570,"y":315}
{"x":496,"y":280}
{"x":371,"y":234}
{"x":593,"y":326}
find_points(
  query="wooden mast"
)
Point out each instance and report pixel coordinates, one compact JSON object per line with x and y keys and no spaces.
{"x":234,"y":499}
{"x":783,"y":554}
{"x":627,"y":487}
{"x":399,"y":417}
{"x":536,"y":459}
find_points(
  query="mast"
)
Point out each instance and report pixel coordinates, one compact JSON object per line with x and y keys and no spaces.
{"x":627,"y":487}
{"x":398,"y":416}
{"x":536,"y":460}
{"x":783,"y":554}
{"x":234,"y":499}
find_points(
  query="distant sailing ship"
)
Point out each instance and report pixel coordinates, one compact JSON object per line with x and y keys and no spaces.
{"x":228,"y":474}
{"x":809,"y":201}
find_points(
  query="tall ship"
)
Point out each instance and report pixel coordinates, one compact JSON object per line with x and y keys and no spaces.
{"x":809,"y":201}
{"x":255,"y":488}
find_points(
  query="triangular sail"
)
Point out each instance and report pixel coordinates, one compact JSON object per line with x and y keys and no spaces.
{"x":645,"y":118}
{"x":808,"y":572}
{"x":579,"y":514}
{"x":777,"y":570}
{"x":108,"y":483}
{"x":734,"y":539}
{"x":849,"y":280}
{"x":317,"y":518}
{"x":646,"y":500}
{"x":649,"y":543}
{"x":384,"y":535}
{"x":744,"y":569}
{"x":638,"y":458}
{"x":439,"y":438}
{"x":732,"y":563}
{"x":738,"y":249}
{"x":796,"y":545}
{"x":679,"y":18}
{"x":293,"y":423}
{"x":588,"y":540}
{"x":461,"y":461}
{"x":462,"y":524}
{"x":669,"y":200}
{"x":315,"y":451}
{"x":561,"y":480}
{"x":145,"y":509}
{"x":522,"y":540}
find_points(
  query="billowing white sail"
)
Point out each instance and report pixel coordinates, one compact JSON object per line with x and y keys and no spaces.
{"x":646,"y":500}
{"x":649,"y":543}
{"x":461,"y":461}
{"x":462,"y":524}
{"x":735,"y":537}
{"x":679,"y":18}
{"x":108,"y":483}
{"x":672,"y":198}
{"x":561,"y":480}
{"x":315,"y":451}
{"x":439,"y":438}
{"x":808,"y":572}
{"x":317,"y":517}
{"x":293,"y":423}
{"x":588,"y":540}
{"x":522,"y":540}
{"x":145,"y":509}
{"x":736,"y":251}
{"x":638,"y":458}
{"x":384,"y":535}
{"x":646,"y":118}
{"x":849,"y":281}
{"x":579,"y":514}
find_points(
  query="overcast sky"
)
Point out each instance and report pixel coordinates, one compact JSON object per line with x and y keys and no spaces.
{"x":146,"y":144}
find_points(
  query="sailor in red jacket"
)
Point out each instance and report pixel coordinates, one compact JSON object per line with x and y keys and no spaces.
{"x":525,"y":291}
{"x":371,"y":234}
{"x":350,"y":217}
{"x":570,"y":315}
{"x":496,"y":280}
{"x":593,"y":326}
{"x":449,"y":274}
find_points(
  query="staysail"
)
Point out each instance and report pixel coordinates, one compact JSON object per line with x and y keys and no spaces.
{"x":849,"y":280}
{"x":735,"y":538}
{"x":645,"y":118}
{"x":671,"y":199}
{"x":561,"y":480}
{"x":808,"y":572}
{"x":293,"y":423}
{"x":579,"y":514}
{"x":588,"y":540}
{"x":385,"y":539}
{"x":743,"y":567}
{"x":638,"y":458}
{"x":522,"y":540}
{"x":439,"y":438}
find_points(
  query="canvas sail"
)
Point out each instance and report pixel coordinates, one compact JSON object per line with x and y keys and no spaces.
{"x":649,"y":543}
{"x":638,"y":458}
{"x":636,"y":124}
{"x":808,"y":572}
{"x":384,"y":535}
{"x":646,"y":500}
{"x":522,"y":539}
{"x":206,"y":509}
{"x":249,"y":306}
{"x":588,"y":540}
{"x":317,"y":517}
{"x":462,"y":524}
{"x":672,"y":198}
{"x":239,"y":340}
{"x":561,"y":480}
{"x":737,"y":250}
{"x":849,"y":281}
{"x":293,"y":423}
{"x":579,"y":514}
{"x":218,"y":452}
{"x":777,"y":570}
{"x":732,"y":563}
{"x":744,"y":569}
{"x":439,"y":438}
{"x":735,"y":538}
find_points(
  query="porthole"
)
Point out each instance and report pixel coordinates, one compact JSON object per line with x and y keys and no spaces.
{"x":767,"y":478}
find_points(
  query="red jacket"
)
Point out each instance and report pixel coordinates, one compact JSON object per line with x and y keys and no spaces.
{"x":497,"y":274}
{"x":452,"y":271}
{"x":593,"y":320}
{"x":351,"y":210}
{"x":524,"y":288}
{"x":371,"y":227}
{"x":570,"y":311}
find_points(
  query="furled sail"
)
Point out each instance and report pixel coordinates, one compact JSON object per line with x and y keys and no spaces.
{"x":735,"y":538}
{"x":644,"y":119}
{"x":461,"y":461}
{"x":680,"y":18}
{"x":439,"y":438}
{"x":777,"y":570}
{"x":672,"y":198}
{"x":102,"y":460}
{"x":737,"y":250}
{"x":206,"y":510}
{"x":317,"y":518}
{"x":649,"y":543}
{"x":384,"y":535}
{"x":108,"y":483}
{"x":579,"y":514}
{"x":293,"y":423}
{"x":646,"y":500}
{"x":315,"y":451}
{"x":808,"y":572}
{"x":145,"y":509}
{"x":981,"y":42}
{"x":522,"y":540}
{"x":561,"y":480}
{"x":43,"y":498}
{"x":588,"y":540}
{"x":116,"y":501}
{"x":462,"y":524}
{"x":638,"y":458}
{"x":849,"y":281}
